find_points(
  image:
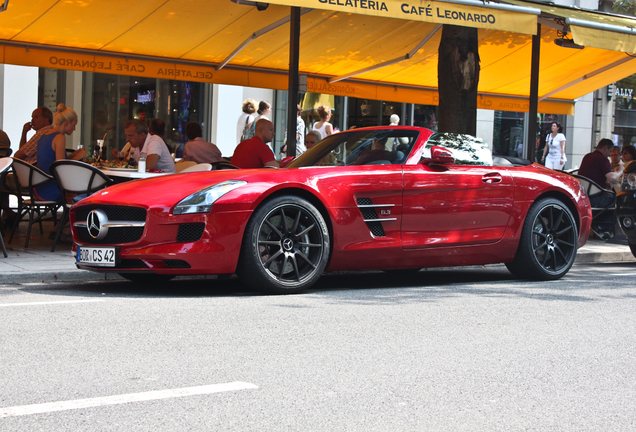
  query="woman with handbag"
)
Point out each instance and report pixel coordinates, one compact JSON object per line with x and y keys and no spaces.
{"x":555,"y":148}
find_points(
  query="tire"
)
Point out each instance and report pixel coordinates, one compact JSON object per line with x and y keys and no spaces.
{"x":548,"y":243}
{"x":632,"y":247}
{"x":285,"y":247}
{"x":146,"y":278}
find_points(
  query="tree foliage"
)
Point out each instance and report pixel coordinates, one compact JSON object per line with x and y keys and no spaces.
{"x":625,"y":6}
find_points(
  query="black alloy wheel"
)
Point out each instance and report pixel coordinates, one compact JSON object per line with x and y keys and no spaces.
{"x":285,"y":247}
{"x":548,"y":244}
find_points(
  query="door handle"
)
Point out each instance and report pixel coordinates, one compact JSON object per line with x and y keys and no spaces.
{"x":492,"y":178}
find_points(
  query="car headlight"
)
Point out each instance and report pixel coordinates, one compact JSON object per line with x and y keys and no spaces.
{"x":201,"y":201}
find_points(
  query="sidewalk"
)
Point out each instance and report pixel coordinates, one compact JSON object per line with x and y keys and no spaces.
{"x":38,"y":264}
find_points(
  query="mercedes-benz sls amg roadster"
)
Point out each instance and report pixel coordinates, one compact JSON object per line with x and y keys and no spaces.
{"x":381,"y":198}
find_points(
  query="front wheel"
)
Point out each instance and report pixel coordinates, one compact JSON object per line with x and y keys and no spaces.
{"x":285,"y":247}
{"x":548,"y":243}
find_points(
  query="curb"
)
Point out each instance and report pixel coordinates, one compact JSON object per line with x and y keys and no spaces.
{"x":58,"y":276}
{"x":605,"y":257}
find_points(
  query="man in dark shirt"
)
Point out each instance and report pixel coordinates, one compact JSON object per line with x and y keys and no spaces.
{"x":596,"y":167}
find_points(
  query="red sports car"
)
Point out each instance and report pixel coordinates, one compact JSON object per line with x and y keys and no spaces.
{"x":374,"y":198}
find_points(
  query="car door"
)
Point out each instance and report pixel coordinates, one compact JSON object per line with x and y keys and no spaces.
{"x":454,"y":205}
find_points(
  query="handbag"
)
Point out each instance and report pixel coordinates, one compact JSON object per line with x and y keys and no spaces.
{"x":247,"y":130}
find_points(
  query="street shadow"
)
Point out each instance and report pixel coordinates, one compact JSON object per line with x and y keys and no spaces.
{"x":358,"y":287}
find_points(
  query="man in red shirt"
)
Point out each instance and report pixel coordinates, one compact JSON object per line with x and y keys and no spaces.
{"x":254,"y":152}
{"x":596,"y":166}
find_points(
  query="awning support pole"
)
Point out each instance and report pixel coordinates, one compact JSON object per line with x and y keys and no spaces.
{"x":255,"y":35}
{"x":292,"y":88}
{"x":389,"y":62}
{"x":534,"y":95}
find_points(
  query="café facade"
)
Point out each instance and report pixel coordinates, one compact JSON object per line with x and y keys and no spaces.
{"x":367,"y":59}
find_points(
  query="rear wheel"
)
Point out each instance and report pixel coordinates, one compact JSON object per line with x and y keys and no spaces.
{"x":146,"y":278}
{"x":285,"y":247}
{"x":548,"y":244}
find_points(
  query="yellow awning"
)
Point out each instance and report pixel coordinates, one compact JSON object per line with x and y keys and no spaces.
{"x":591,"y":28}
{"x":222,"y":42}
{"x":467,"y":13}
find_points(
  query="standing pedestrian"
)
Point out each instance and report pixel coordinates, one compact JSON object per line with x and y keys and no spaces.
{"x":323,"y":126}
{"x":555,"y":148}
{"x":245,"y":119}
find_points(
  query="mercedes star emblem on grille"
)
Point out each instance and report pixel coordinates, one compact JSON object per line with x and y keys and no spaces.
{"x":95,"y":224}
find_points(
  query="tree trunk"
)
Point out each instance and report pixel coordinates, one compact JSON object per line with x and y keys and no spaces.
{"x":457,"y":78}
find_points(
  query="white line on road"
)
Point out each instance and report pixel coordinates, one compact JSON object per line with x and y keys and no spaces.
{"x":125,"y":398}
{"x":48,"y":303}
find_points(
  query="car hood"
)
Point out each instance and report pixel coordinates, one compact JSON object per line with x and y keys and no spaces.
{"x":165,"y":191}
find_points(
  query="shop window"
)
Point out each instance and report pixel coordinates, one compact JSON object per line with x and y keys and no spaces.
{"x":425,"y":116}
{"x":117,"y":99}
{"x":625,"y":112}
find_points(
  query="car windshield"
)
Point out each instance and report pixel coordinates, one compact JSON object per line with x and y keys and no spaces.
{"x":361,"y":147}
{"x":466,"y":149}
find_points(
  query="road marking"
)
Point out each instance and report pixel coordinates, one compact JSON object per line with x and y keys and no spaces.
{"x":51,"y":302}
{"x":125,"y":398}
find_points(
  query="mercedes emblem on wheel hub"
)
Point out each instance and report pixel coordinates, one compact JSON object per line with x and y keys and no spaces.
{"x":288,"y":244}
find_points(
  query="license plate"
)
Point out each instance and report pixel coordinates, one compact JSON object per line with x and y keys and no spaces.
{"x":96,"y":256}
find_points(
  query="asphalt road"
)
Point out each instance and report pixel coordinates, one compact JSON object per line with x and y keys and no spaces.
{"x":440,"y":350}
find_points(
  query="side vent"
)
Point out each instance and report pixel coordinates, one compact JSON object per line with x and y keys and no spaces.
{"x":370,"y":215}
{"x":190,"y":232}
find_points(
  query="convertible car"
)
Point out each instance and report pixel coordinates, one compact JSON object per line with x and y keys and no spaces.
{"x":382,"y":198}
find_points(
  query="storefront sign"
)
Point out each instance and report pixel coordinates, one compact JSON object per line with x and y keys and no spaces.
{"x":624,"y":92}
{"x":435,"y":12}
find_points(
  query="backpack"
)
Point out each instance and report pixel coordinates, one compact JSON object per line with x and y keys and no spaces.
{"x":248,"y":130}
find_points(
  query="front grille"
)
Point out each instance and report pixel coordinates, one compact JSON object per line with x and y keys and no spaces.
{"x":114,"y":213}
{"x":190,"y":232}
{"x":131,"y":263}
{"x":116,"y":235}
{"x":173,"y":263}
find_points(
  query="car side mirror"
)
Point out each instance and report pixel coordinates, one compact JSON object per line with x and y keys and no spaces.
{"x":286,"y":161}
{"x":440,"y":156}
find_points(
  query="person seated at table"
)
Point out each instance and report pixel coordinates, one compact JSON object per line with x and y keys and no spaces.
{"x":157,"y":127}
{"x":254,"y":152}
{"x":312,"y":138}
{"x":596,"y":167}
{"x":52,"y":147}
{"x":152,"y":146}
{"x":41,"y":122}
{"x":197,"y":149}
{"x":377,"y":152}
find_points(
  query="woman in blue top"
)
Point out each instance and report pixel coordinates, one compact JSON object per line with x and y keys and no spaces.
{"x":52,"y":147}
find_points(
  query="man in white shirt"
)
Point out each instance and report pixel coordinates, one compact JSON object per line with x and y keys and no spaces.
{"x":157,"y":154}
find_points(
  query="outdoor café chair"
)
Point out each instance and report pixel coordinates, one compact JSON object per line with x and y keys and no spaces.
{"x":198,"y":167}
{"x":76,"y":178}
{"x":5,"y":163}
{"x":29,"y":177}
{"x":593,"y":188}
{"x":181,"y":165}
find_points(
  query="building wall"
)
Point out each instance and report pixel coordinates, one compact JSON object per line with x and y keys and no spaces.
{"x":579,"y":131}
{"x":485,"y":119}
{"x":19,"y":88}
{"x":227,"y":101}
